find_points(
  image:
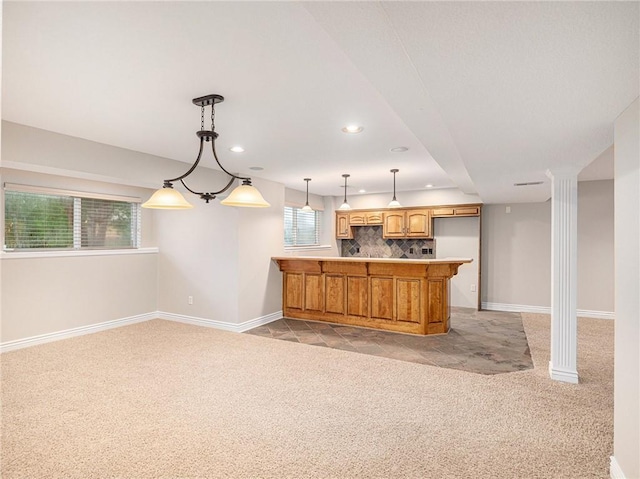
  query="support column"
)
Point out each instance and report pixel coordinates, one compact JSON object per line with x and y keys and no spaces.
{"x":564,"y":274}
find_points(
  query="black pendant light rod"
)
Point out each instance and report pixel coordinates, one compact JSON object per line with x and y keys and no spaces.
{"x":394,"y":171}
{"x":345,"y":176}
{"x":307,"y":180}
{"x":207,"y":135}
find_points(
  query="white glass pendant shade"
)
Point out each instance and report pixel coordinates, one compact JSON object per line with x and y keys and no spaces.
{"x":245,"y":195}
{"x":344,"y":206}
{"x":167,"y":199}
{"x":394,"y":204}
{"x":306,"y":208}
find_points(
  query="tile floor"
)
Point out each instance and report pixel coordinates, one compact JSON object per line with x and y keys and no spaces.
{"x":483,"y":342}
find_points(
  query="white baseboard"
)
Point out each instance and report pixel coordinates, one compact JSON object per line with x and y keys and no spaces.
{"x":212,"y":323}
{"x":615,"y":472}
{"x":523,"y":308}
{"x":116,"y":323}
{"x":70,"y":333}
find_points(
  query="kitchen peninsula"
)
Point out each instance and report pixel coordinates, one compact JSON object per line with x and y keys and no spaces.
{"x":405,"y":295}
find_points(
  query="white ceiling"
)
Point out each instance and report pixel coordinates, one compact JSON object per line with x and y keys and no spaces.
{"x":484,"y":94}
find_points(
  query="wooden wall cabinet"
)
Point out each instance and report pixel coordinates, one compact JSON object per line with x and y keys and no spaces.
{"x":448,"y":211}
{"x":343,"y":226}
{"x":400,"y":222}
{"x":362,"y":218}
{"x":407,"y":224}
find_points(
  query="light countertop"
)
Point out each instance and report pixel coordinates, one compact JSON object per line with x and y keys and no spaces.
{"x":360,"y":259}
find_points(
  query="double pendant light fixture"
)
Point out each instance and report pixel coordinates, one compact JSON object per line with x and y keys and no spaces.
{"x":345,"y":206}
{"x":243,"y":195}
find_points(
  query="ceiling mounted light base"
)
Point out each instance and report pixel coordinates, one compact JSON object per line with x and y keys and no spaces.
{"x":208,"y":100}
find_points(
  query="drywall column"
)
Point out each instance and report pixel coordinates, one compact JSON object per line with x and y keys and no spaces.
{"x":564,"y":274}
{"x":626,"y":411}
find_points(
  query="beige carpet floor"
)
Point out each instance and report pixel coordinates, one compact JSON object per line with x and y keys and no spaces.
{"x":168,"y":400}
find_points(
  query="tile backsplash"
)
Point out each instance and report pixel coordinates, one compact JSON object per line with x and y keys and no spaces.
{"x":368,"y":241}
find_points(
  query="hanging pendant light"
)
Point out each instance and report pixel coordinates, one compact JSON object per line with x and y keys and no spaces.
{"x":306,"y":206}
{"x":345,"y":205}
{"x":394,"y":203}
{"x":243,"y":195}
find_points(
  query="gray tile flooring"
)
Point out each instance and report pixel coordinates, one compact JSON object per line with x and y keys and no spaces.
{"x":483,"y":342}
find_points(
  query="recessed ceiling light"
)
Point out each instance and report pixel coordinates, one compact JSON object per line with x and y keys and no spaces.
{"x":428,"y":186}
{"x":256,"y":168}
{"x":362,"y":191}
{"x":352,"y":129}
{"x":399,"y":149}
{"x":237,"y":149}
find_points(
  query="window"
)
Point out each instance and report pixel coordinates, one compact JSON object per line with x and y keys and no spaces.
{"x":301,"y":228}
{"x":45,"y":218}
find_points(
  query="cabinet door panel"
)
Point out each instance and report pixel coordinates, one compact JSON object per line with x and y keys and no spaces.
{"x":382,"y":299}
{"x":357,"y":296}
{"x":343,"y":230}
{"x":293,"y":290}
{"x":418,"y":223}
{"x":408,"y":307}
{"x":357,"y":218}
{"x":393,"y":225}
{"x":374,"y":218}
{"x":437,"y":294}
{"x":335,"y":293}
{"x":313,"y":292}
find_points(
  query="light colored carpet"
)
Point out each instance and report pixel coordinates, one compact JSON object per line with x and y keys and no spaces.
{"x":169,"y":400}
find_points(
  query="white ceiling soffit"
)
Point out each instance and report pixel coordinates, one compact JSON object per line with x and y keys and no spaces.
{"x":124,"y":74}
{"x":499,"y":92}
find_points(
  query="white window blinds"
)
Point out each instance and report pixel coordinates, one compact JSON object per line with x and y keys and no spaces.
{"x":301,"y":228}
{"x":44,"y":218}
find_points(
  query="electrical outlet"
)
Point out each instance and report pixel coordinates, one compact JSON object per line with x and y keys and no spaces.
{"x":507,"y":209}
{"x":410,"y":250}
{"x":425,"y":250}
{"x":473,"y":288}
{"x":190,"y":299}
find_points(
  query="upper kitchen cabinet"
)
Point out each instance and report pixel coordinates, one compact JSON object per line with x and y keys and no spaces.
{"x":407,"y":224}
{"x":449,"y":211}
{"x":410,"y":222}
{"x":365,"y":218}
{"x":343,"y":227}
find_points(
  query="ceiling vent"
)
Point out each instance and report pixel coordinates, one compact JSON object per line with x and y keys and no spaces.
{"x":530,"y":183}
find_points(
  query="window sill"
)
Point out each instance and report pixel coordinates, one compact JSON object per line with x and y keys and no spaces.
{"x":307,"y":248}
{"x":67,"y":253}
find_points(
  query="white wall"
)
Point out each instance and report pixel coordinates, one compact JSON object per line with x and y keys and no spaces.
{"x":260,"y":237}
{"x":47,"y":295}
{"x":516,"y":252}
{"x":460,"y":237}
{"x":221,"y":256}
{"x":596,"y":276}
{"x":626,"y":441}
